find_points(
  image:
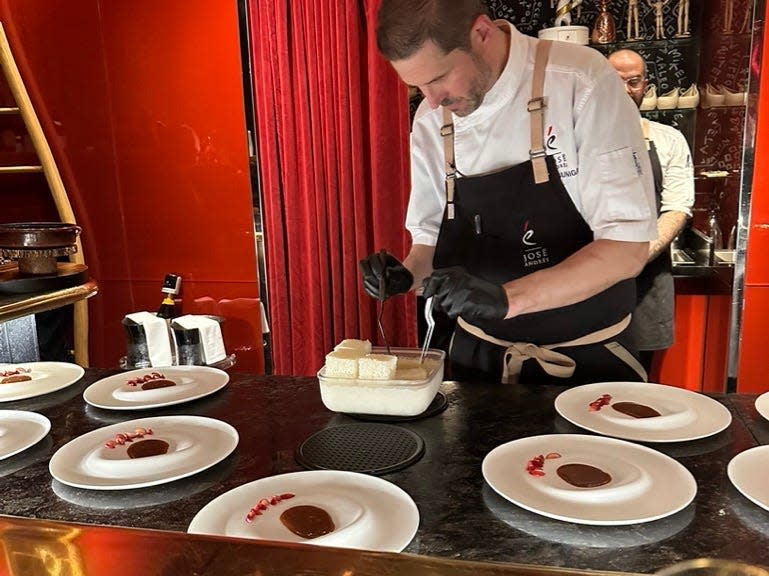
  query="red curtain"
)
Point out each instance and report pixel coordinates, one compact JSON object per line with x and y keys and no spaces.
{"x":332,"y":122}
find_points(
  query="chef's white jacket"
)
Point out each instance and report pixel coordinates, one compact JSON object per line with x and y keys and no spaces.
{"x":591,"y":128}
{"x":677,"y":168}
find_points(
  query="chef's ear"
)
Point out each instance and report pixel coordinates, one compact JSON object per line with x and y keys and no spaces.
{"x":481,"y":31}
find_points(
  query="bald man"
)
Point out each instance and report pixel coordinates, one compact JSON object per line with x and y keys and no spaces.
{"x":673,"y":172}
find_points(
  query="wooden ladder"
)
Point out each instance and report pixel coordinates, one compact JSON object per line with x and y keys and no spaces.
{"x":48,"y":167}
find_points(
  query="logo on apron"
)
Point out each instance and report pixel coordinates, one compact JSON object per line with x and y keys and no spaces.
{"x":534,"y":255}
{"x":561,"y":160}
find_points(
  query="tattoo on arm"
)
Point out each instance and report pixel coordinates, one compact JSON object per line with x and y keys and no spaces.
{"x":669,"y":224}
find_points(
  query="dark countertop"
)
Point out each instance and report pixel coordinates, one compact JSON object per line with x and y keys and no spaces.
{"x":460,"y":517}
{"x":691,"y":279}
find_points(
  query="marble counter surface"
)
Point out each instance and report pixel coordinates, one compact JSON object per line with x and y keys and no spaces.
{"x":460,"y":516}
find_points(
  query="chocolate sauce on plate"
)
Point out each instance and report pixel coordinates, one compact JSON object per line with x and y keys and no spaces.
{"x":583,"y":475}
{"x":307,"y":521}
{"x":15,"y":378}
{"x":152,"y":384}
{"x":635,"y":410}
{"x":144,"y":448}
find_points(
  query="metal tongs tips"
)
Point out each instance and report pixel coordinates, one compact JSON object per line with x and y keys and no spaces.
{"x":382,"y":297}
{"x":430,"y":327}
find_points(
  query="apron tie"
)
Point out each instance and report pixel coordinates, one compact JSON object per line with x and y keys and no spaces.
{"x":552,"y":362}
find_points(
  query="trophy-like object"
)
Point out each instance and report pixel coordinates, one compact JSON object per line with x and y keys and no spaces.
{"x":563,"y":29}
{"x":633,"y":32}
{"x":563,"y":11}
{"x":728,"y":17}
{"x":682,"y":19}
{"x":604,"y":29}
{"x":659,"y":24}
{"x":747,"y":20}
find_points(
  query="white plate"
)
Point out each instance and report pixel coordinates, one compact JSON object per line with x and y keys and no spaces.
{"x":192,"y":382}
{"x":762,"y":405}
{"x":369,"y":513}
{"x":684,"y":415}
{"x":748,"y":472}
{"x":196,"y":443}
{"x":586,"y":536}
{"x":646,"y":485}
{"x":19,"y":430}
{"x":46,"y":377}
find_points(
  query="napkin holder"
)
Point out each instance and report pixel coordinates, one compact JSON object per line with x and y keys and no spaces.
{"x":188,"y":343}
{"x":137,"y":351}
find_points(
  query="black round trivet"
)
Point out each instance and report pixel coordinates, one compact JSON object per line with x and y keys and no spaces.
{"x":438,"y":405}
{"x":363,"y":447}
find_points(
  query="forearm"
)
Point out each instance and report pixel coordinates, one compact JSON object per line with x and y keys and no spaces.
{"x":669,"y":224}
{"x":420,"y":263}
{"x":587,"y":272}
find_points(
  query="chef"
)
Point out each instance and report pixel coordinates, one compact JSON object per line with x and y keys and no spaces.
{"x":673,"y":172}
{"x":531,"y":206}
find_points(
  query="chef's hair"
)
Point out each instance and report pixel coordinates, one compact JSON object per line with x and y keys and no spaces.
{"x":403,"y":26}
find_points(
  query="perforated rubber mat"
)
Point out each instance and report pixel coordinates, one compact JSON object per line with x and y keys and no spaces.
{"x":438,"y":405}
{"x":366,"y":447}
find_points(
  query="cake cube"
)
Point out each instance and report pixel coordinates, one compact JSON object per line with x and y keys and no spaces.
{"x":342,"y":363}
{"x":377,"y":367}
{"x":362,"y":346}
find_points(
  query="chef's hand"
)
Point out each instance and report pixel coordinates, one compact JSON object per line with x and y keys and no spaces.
{"x":374,"y":267}
{"x":460,"y":294}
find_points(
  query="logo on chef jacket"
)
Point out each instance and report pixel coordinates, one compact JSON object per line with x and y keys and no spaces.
{"x":550,"y":138}
{"x":533,"y":254}
{"x":561,"y":160}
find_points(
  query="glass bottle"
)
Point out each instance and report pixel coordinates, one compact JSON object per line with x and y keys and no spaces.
{"x":714,"y":231}
{"x":171,"y":287}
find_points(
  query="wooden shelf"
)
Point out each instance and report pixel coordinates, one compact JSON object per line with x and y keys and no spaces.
{"x":20,"y":169}
{"x":647,"y":44}
{"x":26,"y":111}
{"x":657,"y":111}
{"x":16,"y":306}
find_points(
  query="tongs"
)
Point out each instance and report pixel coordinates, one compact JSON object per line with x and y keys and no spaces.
{"x":430,"y":327}
{"x":382,"y":297}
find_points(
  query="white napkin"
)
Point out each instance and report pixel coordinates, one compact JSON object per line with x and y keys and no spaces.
{"x":210,"y":335}
{"x":158,"y":340}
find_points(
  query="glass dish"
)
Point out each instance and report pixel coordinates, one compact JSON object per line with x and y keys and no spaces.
{"x":385,"y":397}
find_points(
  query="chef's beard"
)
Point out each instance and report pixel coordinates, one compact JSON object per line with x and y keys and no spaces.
{"x":480,"y":85}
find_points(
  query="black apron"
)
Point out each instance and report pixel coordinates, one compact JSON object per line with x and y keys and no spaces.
{"x":652,"y":323}
{"x":502,"y":226}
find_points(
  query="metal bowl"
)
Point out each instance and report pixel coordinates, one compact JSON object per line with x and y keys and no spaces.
{"x":38,"y":235}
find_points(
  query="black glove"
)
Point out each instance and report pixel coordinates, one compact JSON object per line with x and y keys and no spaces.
{"x":460,"y":294}
{"x":397,"y":278}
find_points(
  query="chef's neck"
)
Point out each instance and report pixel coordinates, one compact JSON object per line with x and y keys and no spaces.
{"x":499,"y":49}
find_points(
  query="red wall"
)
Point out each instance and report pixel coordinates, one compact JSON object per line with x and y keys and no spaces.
{"x":699,"y":356}
{"x":143,"y":106}
{"x":752,"y":371}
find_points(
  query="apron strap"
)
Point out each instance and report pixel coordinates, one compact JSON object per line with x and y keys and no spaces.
{"x":654,"y":159}
{"x":553,"y":363}
{"x":536,"y":108}
{"x":622,"y":353}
